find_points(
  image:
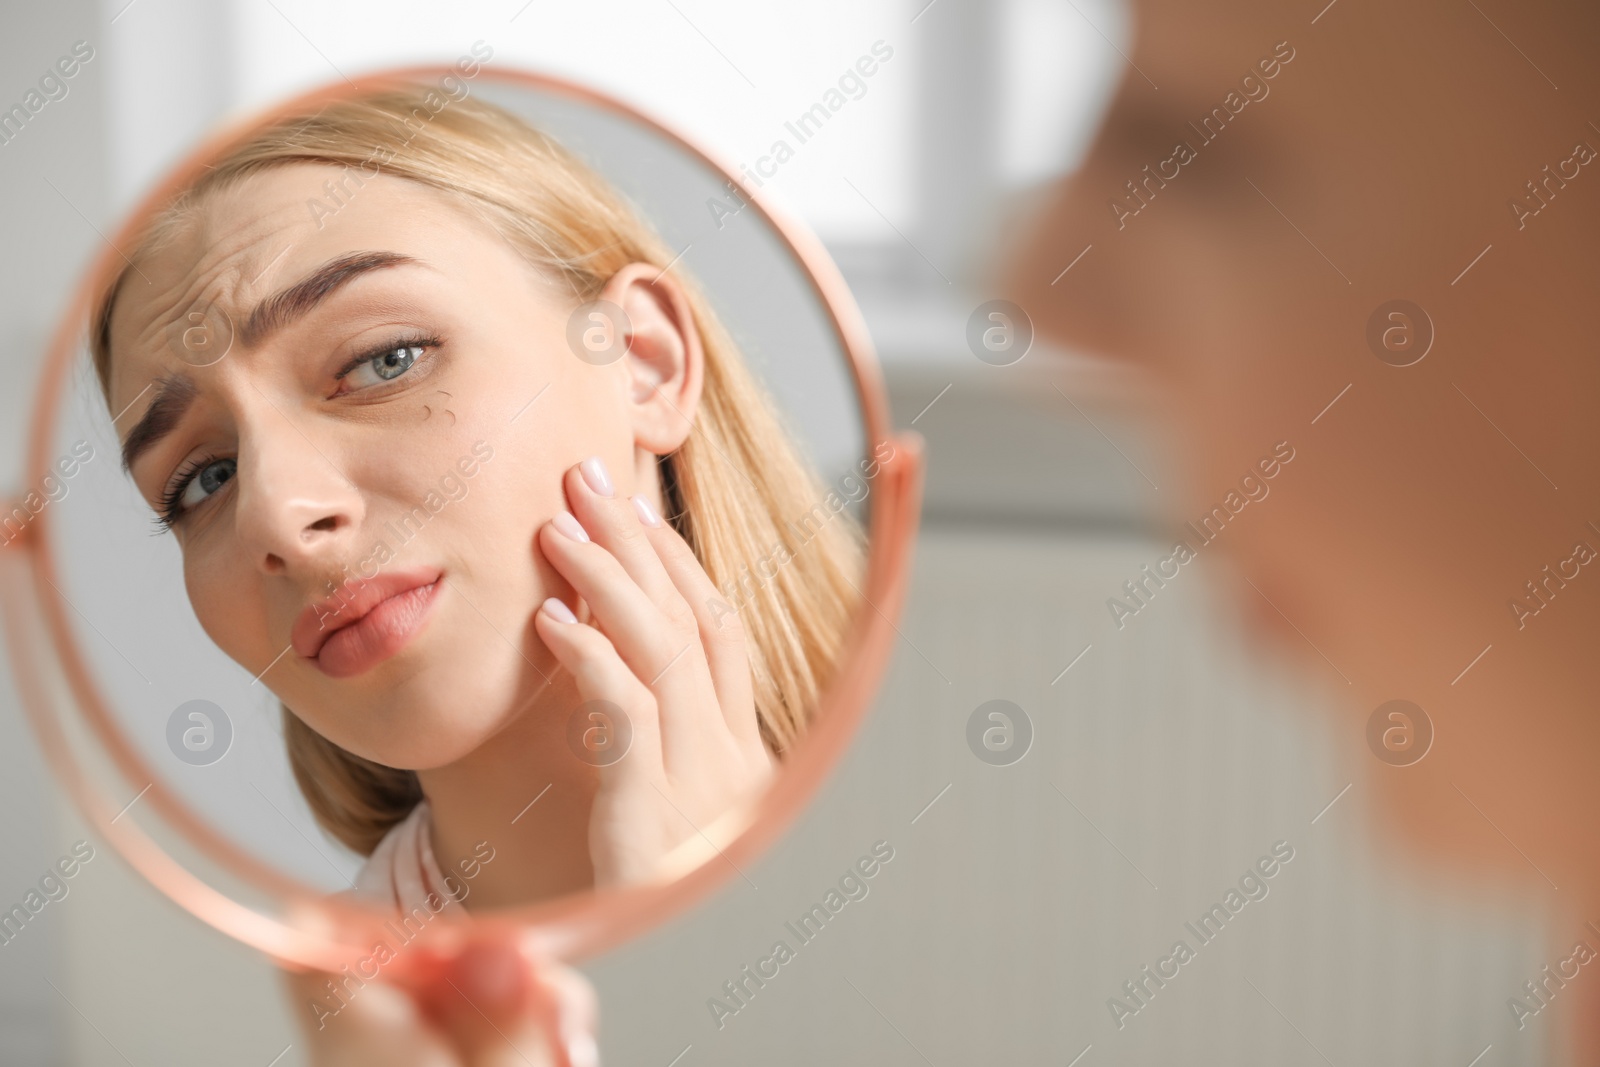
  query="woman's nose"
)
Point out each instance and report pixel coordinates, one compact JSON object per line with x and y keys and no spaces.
{"x":296,"y":510}
{"x":1071,"y":273}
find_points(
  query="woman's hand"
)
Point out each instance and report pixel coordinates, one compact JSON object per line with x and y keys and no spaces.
{"x":666,"y":654}
{"x":490,"y":1003}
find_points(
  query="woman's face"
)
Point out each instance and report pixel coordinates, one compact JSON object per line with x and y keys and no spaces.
{"x":1375,"y":164}
{"x":392,"y":417}
{"x":1248,"y":272}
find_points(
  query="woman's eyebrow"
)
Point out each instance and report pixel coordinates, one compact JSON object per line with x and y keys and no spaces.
{"x":177,"y":391}
{"x":281,"y":309}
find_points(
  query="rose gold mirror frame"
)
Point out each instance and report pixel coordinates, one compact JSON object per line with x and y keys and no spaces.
{"x":314,"y":929}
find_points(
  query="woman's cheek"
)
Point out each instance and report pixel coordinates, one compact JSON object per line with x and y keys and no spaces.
{"x":208,"y":596}
{"x":231,"y":609}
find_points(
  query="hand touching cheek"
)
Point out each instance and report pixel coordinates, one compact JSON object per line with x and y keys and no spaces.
{"x":678,"y":673}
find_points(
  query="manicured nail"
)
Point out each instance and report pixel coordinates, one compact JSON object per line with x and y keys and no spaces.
{"x":559,"y":611}
{"x":567,"y":524}
{"x":647,"y":514}
{"x":595,"y":473}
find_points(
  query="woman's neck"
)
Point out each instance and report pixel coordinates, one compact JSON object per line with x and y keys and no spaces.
{"x":523,"y":792}
{"x":1509,"y":794}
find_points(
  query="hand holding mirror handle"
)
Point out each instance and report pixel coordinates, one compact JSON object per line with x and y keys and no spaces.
{"x":490,"y":998}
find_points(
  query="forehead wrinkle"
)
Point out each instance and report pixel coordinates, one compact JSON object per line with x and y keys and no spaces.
{"x":218,"y":274}
{"x":178,"y":390}
{"x":213,"y":251}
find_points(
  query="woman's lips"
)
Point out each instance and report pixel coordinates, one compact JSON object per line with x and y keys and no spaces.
{"x":349,"y":636}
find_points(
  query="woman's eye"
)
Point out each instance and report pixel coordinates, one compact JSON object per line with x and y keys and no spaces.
{"x":206,"y":481}
{"x":387,"y":365}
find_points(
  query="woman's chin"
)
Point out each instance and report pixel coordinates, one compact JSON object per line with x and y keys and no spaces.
{"x":427,"y":745}
{"x":432,"y":720}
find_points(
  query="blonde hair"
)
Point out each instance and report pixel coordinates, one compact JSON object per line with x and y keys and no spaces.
{"x":728,"y":488}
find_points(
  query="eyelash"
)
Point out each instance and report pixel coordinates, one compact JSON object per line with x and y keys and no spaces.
{"x":168,"y":514}
{"x":412,"y":340}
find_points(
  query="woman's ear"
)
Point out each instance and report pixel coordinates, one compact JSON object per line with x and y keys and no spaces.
{"x":663,"y":358}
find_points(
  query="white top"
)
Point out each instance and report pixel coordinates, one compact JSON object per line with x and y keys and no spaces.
{"x":402,"y":870}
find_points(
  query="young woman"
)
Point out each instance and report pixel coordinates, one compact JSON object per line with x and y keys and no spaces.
{"x":456,"y":543}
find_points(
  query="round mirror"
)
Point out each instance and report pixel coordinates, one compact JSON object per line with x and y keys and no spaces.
{"x":453,"y":497}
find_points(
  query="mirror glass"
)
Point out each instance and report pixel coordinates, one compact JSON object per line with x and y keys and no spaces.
{"x":390,"y":373}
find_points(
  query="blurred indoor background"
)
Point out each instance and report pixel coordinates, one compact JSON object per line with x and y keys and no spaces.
{"x":1020,"y":898}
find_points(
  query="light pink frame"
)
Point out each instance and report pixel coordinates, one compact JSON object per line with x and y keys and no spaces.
{"x":310,"y":928}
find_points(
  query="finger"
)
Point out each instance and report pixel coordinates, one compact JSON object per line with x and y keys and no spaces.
{"x":549,"y":1019}
{"x":645,"y":637}
{"x":720,"y":628}
{"x":498,"y":1003}
{"x":601,"y":675}
{"x":663,"y":652}
{"x":379,"y":1025}
{"x":569,"y":1011}
{"x":614,"y":523}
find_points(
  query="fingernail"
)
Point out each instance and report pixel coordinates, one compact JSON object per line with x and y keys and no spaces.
{"x":647,"y":514}
{"x":595,"y":473}
{"x":567,"y":524}
{"x":559,"y":611}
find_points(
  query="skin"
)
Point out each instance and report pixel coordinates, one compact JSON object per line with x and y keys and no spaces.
{"x":1393,"y":544}
{"x":478,"y":701}
{"x":494,"y":1003}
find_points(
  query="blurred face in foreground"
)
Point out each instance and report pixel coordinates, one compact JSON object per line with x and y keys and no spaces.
{"x":1436,"y":538}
